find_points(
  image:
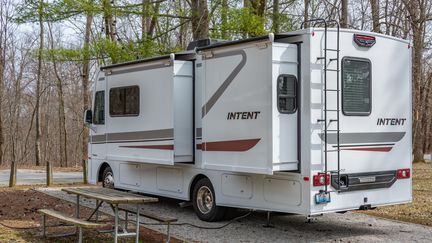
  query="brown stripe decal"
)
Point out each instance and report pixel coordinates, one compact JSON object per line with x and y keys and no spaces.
{"x":163,"y":147}
{"x":229,"y":146}
{"x":210,"y":103}
{"x":376,"y":149}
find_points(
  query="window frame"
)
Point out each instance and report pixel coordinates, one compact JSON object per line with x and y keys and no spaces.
{"x":125,"y":115}
{"x":295,"y":94}
{"x":368,"y":61}
{"x":94,"y":107}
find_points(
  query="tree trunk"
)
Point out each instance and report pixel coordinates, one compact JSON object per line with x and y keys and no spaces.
{"x":344,"y":14}
{"x":276,"y":21}
{"x":224,"y":19}
{"x":61,"y":110}
{"x":375,"y":16}
{"x":306,"y":13}
{"x":38,"y":85}
{"x":13,"y":174}
{"x":200,"y":19}
{"x":85,"y":81}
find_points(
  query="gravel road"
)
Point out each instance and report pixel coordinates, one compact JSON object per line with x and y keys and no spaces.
{"x":32,"y":177}
{"x":349,"y":227}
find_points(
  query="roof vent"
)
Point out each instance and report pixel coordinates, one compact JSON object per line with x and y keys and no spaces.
{"x":201,"y":43}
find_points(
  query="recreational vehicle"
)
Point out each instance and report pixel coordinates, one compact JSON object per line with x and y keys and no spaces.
{"x":310,"y":122}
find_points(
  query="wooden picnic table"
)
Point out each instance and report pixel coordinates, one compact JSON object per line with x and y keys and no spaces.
{"x":113,"y":198}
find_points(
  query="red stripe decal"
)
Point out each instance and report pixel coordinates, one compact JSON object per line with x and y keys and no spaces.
{"x":376,"y":149}
{"x":229,"y":146}
{"x":163,"y":147}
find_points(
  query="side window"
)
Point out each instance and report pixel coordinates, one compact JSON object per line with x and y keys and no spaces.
{"x":99,"y":108}
{"x":356,"y":86}
{"x":124,"y":101}
{"x":287,"y":94}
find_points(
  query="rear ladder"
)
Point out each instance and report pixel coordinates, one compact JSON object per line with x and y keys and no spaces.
{"x":327,"y":122}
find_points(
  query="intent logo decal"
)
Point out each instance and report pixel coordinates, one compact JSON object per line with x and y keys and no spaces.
{"x":391,"y":121}
{"x":245,"y":115}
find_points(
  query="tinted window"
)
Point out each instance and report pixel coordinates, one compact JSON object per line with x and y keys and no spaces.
{"x":356,"y":86}
{"x":287,"y":93}
{"x":124,"y":101}
{"x":99,"y":108}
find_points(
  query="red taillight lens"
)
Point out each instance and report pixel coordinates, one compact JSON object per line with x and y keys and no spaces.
{"x":403,"y":173}
{"x":321,"y":179}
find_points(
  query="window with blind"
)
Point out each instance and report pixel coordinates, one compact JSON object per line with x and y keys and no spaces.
{"x":124,"y":101}
{"x":356,"y":86}
{"x":287,"y":94}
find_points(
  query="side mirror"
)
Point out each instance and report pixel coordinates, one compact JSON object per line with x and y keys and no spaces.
{"x":88,"y":117}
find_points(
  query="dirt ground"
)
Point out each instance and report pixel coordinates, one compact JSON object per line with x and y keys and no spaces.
{"x":420,"y":210}
{"x":20,"y":222}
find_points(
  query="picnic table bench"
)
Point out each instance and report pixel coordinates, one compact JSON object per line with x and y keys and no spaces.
{"x":80,"y":223}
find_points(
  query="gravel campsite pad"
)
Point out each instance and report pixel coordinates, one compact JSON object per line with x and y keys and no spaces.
{"x":349,"y":227}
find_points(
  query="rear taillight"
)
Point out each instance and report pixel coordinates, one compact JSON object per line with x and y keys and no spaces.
{"x":321,"y":179}
{"x":403,"y":173}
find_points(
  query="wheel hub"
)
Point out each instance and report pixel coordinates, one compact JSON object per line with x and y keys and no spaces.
{"x":204,"y":199}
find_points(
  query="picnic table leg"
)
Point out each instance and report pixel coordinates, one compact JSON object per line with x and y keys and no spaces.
{"x":44,"y":225}
{"x":77,"y":212}
{"x":168,"y":233}
{"x":80,"y":238}
{"x":137,"y":223}
{"x":116,"y":219}
{"x":126,"y":220}
{"x":97,"y":212}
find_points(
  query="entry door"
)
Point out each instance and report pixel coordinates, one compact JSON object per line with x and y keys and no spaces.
{"x":97,"y":140}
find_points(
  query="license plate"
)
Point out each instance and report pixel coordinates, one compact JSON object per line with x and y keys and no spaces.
{"x":367,"y":179}
{"x":322,"y":197}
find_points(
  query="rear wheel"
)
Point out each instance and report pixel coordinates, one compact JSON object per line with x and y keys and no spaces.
{"x":204,"y":202}
{"x":108,"y":178}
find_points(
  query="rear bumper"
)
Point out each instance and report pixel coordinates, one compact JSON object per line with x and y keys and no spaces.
{"x":363,"y":181}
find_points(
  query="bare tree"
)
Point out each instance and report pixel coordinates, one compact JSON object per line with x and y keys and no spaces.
{"x":38,"y":86}
{"x":200,"y":19}
{"x":344,"y":14}
{"x":375,"y":16}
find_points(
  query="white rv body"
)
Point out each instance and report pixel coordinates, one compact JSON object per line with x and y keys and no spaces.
{"x":214,"y":113}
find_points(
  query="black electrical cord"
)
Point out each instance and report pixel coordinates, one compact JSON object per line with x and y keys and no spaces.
{"x":205,"y":227}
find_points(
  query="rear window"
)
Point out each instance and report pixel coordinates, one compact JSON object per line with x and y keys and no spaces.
{"x":356,"y":86}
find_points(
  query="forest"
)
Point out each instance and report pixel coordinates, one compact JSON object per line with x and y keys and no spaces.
{"x":51,"y":51}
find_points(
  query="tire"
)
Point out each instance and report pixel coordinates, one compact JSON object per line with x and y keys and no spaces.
{"x":204,"y":202}
{"x":108,"y":178}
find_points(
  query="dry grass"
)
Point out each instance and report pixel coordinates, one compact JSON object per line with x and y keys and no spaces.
{"x":420,"y":210}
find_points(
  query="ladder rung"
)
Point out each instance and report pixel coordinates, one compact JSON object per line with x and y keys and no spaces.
{"x":333,"y":120}
{"x":320,"y":58}
{"x":332,"y":110}
{"x":320,"y":120}
{"x":331,"y":90}
{"x":333,"y":59}
{"x":332,"y":130}
{"x":330,"y":49}
{"x":334,"y":171}
{"x":331,"y":70}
